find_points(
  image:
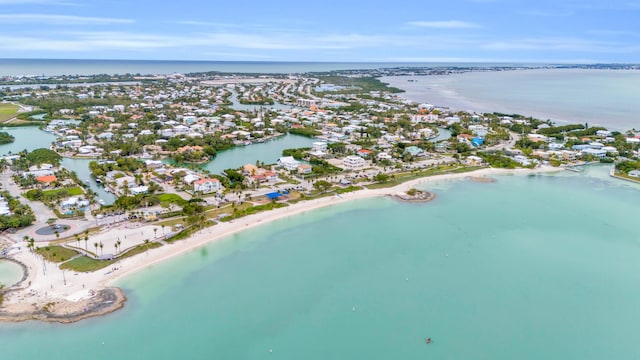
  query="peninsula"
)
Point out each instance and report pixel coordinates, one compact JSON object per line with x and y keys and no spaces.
{"x":150,"y":138}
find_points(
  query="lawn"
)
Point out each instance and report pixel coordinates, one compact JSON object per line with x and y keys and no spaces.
{"x":7,"y":111}
{"x":74,"y":191}
{"x":56,"y":254}
{"x":166,"y":199}
{"x":87,"y":264}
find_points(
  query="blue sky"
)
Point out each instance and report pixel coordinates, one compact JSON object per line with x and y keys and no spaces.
{"x":328,"y":30}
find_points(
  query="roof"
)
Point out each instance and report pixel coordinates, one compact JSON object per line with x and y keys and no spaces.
{"x":204,"y":181}
{"x":47,"y":178}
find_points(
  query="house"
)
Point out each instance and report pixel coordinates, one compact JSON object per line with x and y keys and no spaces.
{"x":46,"y":179}
{"x":304,"y":169}
{"x":414,"y":151}
{"x":353,"y":162}
{"x":207,"y":185}
{"x":363,"y":153}
{"x":473,"y":160}
{"x":288,"y":163}
{"x":74,"y":202}
{"x":139,"y":190}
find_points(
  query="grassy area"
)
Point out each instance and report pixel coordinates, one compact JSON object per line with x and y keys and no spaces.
{"x":56,"y":254}
{"x":8,"y":111}
{"x":74,"y":191}
{"x":166,"y":199}
{"x":348,"y":189}
{"x":238,"y":212}
{"x":440,"y":170}
{"x":87,"y":264}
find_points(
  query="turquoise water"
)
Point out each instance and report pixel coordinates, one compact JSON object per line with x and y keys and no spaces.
{"x":268,"y":152}
{"x":10,"y":273}
{"x":599,"y":97}
{"x":26,"y":138}
{"x":530,"y":267}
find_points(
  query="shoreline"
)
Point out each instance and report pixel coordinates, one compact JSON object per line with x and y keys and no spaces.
{"x":82,"y":295}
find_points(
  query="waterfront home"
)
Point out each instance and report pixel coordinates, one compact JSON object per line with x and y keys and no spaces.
{"x":137,"y":190}
{"x":414,"y":151}
{"x":304,"y":169}
{"x":353,"y":162}
{"x":288,"y":163}
{"x":207,"y":185}
{"x":595,"y":152}
{"x":473,"y":160}
{"x":74,"y":202}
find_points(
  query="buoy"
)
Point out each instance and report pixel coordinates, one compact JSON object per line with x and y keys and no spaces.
{"x":353,"y":309}
{"x":407,"y":279}
{"x":270,"y":350}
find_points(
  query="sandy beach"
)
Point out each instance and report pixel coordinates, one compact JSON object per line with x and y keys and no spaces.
{"x":50,"y":294}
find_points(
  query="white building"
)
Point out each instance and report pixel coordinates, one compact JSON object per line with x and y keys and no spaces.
{"x":207,"y":185}
{"x":353,"y":162}
{"x":289,"y":163}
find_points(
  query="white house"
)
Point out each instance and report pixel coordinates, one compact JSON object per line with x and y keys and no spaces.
{"x":353,"y":162}
{"x":207,"y":185}
{"x":288,"y":162}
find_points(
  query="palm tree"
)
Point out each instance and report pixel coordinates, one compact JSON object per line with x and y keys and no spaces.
{"x":155,"y":231}
{"x":77,"y":239}
{"x":86,"y":238}
{"x":95,"y":244}
{"x":118,"y":245}
{"x":101,"y":247}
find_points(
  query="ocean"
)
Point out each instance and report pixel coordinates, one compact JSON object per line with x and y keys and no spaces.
{"x":55,"y":67}
{"x":529,"y":267}
{"x":598,"y":97}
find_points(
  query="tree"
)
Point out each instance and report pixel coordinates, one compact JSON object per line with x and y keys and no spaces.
{"x":95,"y":245}
{"x":322,"y":185}
{"x":101,"y":247}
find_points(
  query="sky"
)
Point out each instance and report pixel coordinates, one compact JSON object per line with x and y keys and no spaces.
{"x":572,"y":31}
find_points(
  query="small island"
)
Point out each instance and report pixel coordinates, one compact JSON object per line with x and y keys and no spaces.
{"x":415,"y":195}
{"x":6,"y":138}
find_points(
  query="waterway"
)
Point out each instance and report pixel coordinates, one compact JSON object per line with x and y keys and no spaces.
{"x":30,"y":138}
{"x":599,"y":97}
{"x":267,"y":152}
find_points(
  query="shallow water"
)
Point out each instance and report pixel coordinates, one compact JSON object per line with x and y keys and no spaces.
{"x":600,"y":97}
{"x":530,"y":267}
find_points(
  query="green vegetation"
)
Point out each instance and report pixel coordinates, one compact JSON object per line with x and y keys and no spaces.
{"x":348,"y":189}
{"x":22,"y":214}
{"x":358,"y":85}
{"x":166,"y":199}
{"x":87,"y":264}
{"x":439,"y":170}
{"x":6,"y":138}
{"x":56,"y":254}
{"x":52,"y":195}
{"x":43,"y":156}
{"x":239,"y":212}
{"x":499,"y":161}
{"x":627,"y":165}
{"x":299,"y":153}
{"x":305,"y":131}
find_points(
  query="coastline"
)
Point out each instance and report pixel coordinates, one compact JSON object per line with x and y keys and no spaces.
{"x":51,"y":296}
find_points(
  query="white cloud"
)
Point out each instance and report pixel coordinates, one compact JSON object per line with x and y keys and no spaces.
{"x":542,"y":13}
{"x":448,"y":24}
{"x":59,"y":19}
